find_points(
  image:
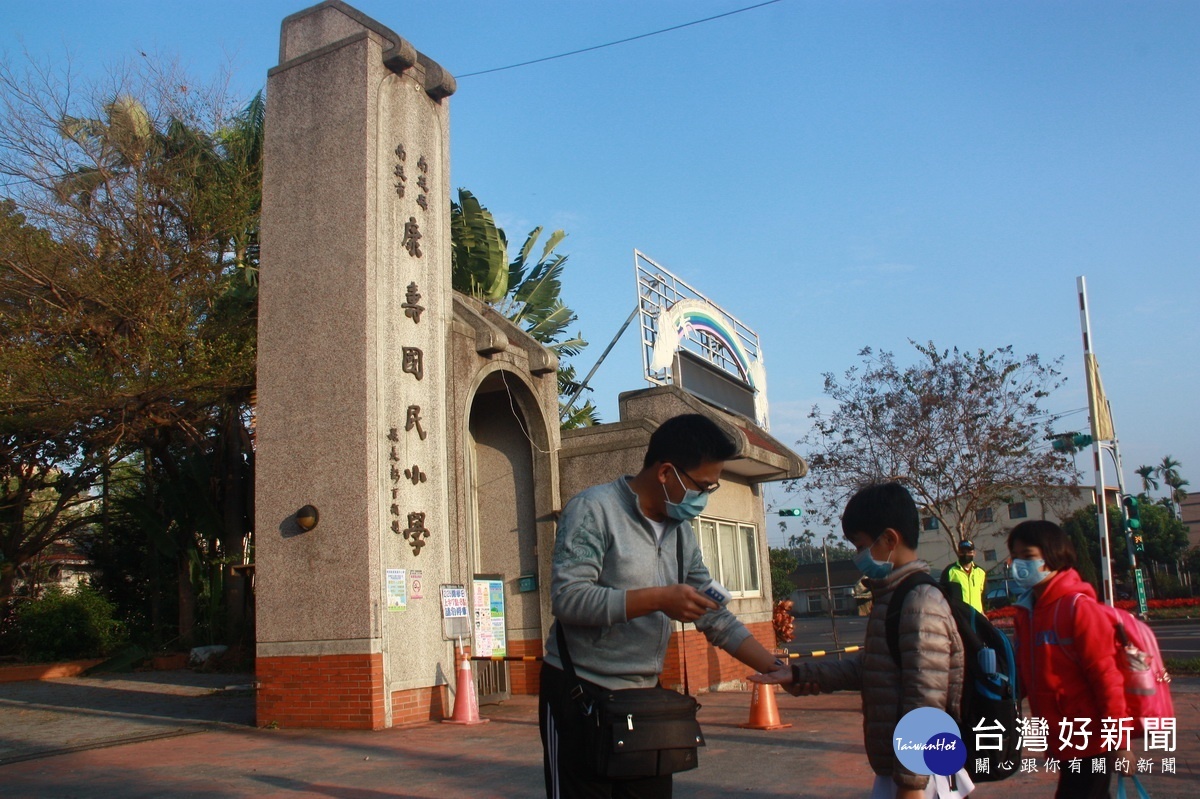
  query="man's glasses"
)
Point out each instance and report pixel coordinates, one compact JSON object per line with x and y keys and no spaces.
{"x":705,"y":489}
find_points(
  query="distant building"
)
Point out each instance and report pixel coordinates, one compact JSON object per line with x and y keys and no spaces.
{"x":813,"y":590}
{"x":60,"y":565}
{"x":1189,"y":512}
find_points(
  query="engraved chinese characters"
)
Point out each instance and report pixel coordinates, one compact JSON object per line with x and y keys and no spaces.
{"x":412,"y":182}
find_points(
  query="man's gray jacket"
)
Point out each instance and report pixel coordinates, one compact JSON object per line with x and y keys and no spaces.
{"x":604,"y":547}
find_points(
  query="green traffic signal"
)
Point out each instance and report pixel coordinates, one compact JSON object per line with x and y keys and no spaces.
{"x":1070,"y":442}
{"x":792,"y":512}
{"x":1133,"y":519}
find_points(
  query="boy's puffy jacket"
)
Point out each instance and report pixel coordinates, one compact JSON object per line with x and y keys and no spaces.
{"x":931,"y":655}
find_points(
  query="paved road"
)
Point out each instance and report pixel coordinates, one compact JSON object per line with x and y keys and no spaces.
{"x":55,"y":716}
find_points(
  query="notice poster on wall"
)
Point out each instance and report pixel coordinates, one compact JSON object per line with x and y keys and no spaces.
{"x":416,"y":584}
{"x":397,"y":592}
{"x":488,"y":601}
{"x":456,"y":612}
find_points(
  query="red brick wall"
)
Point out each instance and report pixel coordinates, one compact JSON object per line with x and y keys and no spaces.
{"x":330,"y":691}
{"x":706,"y":665}
{"x":418,"y":705}
{"x":524,"y":676}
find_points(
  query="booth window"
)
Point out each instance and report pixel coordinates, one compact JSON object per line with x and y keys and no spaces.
{"x":731,"y":553}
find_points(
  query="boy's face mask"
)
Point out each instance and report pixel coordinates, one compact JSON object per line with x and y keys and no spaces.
{"x":870,"y":567}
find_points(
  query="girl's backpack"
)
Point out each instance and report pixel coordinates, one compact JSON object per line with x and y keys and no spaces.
{"x":1147,"y":683}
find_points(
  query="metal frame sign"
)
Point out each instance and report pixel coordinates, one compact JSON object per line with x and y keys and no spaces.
{"x":676,"y":318}
{"x":488,"y":602}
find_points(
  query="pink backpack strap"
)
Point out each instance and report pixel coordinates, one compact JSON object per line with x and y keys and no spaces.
{"x":1058,"y":638}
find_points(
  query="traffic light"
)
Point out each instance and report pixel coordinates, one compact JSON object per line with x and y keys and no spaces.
{"x":1070,"y":442}
{"x":1133,"y":522}
{"x":792,"y":512}
{"x":1133,"y":518}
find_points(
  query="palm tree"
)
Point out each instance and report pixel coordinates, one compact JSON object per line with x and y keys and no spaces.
{"x":1177,"y":492}
{"x":176,"y":212}
{"x":525,"y":292}
{"x":1169,"y":471}
{"x":1149,"y":482}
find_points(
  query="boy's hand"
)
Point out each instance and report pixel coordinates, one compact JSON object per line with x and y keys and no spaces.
{"x":781,"y":675}
{"x":784,"y":676}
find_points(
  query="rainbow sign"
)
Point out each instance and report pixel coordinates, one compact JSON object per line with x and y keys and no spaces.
{"x":686,"y":317}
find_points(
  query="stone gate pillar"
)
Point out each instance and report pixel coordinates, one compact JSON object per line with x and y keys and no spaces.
{"x":354,"y":313}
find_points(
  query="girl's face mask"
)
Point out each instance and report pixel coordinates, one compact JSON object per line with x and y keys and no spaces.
{"x":1028,"y":572}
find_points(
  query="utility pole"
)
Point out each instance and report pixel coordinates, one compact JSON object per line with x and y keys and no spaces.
{"x":1096,"y":406}
{"x":829,"y":594}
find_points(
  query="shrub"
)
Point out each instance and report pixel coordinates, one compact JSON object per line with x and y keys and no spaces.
{"x":62,"y":626}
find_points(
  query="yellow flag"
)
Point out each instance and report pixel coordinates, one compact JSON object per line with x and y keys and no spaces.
{"x":1102,"y":425}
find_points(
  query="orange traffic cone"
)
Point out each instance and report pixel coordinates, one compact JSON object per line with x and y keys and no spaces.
{"x":764,"y":713}
{"x":466,"y":706}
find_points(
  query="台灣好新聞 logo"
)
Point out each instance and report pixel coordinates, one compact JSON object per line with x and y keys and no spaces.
{"x":928,"y":741}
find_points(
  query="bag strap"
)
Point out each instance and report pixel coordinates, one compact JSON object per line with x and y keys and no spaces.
{"x":896,"y":603}
{"x":1137,"y":784}
{"x":682,"y":577}
{"x":1068,"y":644}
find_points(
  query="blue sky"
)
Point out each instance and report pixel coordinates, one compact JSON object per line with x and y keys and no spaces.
{"x":836,"y":175}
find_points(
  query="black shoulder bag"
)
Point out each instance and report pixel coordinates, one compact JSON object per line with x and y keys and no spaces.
{"x":636,"y":732}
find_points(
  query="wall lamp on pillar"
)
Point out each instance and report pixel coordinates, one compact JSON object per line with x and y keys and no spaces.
{"x":307,"y":517}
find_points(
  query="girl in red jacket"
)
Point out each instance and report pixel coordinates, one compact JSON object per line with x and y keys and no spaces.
{"x":1066,"y":659}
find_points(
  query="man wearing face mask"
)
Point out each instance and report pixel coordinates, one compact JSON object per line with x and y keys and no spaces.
{"x":615,"y":590}
{"x":967,"y":576}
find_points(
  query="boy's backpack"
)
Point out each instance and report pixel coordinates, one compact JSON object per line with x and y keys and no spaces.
{"x":1147,"y":683}
{"x":990,"y":707}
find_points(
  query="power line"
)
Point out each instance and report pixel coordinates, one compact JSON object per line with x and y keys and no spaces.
{"x":619,"y":41}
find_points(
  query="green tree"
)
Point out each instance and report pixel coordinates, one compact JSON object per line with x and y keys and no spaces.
{"x":1149,"y":481}
{"x":962,"y":430}
{"x":1164,"y":538}
{"x":525,"y":291}
{"x":783,"y":563}
{"x":135,"y":325}
{"x":1168,"y":471}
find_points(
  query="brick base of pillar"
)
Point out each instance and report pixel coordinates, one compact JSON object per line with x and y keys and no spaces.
{"x":419,"y":705}
{"x":327,"y":691}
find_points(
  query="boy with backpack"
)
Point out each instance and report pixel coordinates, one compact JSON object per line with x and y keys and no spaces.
{"x":882,"y":523}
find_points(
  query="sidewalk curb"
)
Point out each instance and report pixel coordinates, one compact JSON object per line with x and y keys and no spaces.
{"x":46,"y":671}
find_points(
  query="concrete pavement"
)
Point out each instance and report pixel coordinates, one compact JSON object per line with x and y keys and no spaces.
{"x":181,"y":734}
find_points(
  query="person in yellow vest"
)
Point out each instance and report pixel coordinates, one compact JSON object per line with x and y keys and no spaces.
{"x":965,"y":574}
